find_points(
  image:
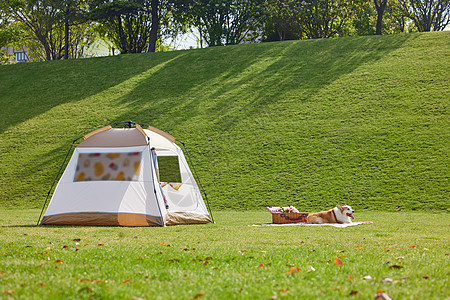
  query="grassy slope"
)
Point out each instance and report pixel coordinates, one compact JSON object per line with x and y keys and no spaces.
{"x":360,"y":120}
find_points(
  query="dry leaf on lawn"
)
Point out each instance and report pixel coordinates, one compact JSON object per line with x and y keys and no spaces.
{"x":337,"y":261}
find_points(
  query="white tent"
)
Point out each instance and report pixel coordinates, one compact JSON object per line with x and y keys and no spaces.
{"x":127,"y":177}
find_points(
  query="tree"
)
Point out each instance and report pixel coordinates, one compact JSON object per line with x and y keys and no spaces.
{"x":126,"y":23}
{"x":427,"y":15}
{"x":223,"y":22}
{"x":71,"y":12}
{"x":395,"y":18}
{"x":327,"y":18}
{"x":45,"y":21}
{"x":282,"y":20}
{"x":40,"y":18}
{"x":364,"y":19}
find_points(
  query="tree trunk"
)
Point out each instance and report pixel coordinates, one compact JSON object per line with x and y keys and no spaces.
{"x":380,"y":7}
{"x":155,"y":27}
{"x":66,"y":38}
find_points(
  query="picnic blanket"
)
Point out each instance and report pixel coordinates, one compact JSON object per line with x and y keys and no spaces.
{"x":324,"y":224}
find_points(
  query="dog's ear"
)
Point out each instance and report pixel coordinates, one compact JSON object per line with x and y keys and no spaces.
{"x":340,"y":207}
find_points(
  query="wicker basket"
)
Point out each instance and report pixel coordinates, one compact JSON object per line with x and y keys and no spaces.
{"x":285,"y":218}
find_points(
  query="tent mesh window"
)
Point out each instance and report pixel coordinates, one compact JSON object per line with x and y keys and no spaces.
{"x":108,"y":166}
{"x":169,"y":169}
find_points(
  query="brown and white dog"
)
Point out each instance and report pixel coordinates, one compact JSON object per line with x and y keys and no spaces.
{"x":339,"y":214}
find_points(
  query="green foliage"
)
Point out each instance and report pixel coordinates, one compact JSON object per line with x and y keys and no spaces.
{"x":402,"y":254}
{"x":313,"y":123}
{"x":224,"y":22}
{"x":282,"y":20}
{"x":126,"y":24}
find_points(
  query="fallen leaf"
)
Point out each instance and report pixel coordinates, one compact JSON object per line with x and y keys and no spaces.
{"x":350,"y":277}
{"x":354,"y":292}
{"x":311,"y":269}
{"x":9,"y":292}
{"x":396,"y":267}
{"x":126,"y":281}
{"x":59,"y":261}
{"x":426,"y":249}
{"x":387,"y":280}
{"x":173,"y":260}
{"x":76,"y":250}
{"x":382,"y":296}
{"x":100,"y":244}
{"x":97,"y":281}
{"x":412,"y":246}
{"x":41,"y":285}
{"x":261,"y":265}
{"x":148,"y":276}
{"x":76,"y":240}
{"x":65,"y":246}
{"x":284,"y":291}
{"x":86,"y":290}
{"x":199,"y":295}
{"x":340,"y":251}
{"x":294,"y":270}
{"x":386,"y":263}
{"x":425,"y":277}
{"x":337,"y":261}
{"x":84,"y":280}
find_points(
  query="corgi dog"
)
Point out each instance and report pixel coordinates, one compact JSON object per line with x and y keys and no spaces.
{"x":339,"y":214}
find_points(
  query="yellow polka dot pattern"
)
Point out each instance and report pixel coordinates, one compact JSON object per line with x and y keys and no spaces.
{"x":123,"y":166}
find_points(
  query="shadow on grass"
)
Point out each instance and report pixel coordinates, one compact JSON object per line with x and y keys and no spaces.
{"x":28,"y":90}
{"x":233,"y":85}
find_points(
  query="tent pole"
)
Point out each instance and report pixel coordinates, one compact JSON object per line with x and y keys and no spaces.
{"x":56,"y":179}
{"x":197,"y":178}
{"x":153,"y":181}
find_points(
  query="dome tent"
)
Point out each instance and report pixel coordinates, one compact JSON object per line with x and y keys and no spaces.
{"x":126,"y":177}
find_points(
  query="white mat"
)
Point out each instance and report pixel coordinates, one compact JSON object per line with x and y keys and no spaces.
{"x":324,"y":224}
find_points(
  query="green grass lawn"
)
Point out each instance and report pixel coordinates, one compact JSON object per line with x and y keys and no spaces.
{"x":360,"y":120}
{"x":405,"y":254}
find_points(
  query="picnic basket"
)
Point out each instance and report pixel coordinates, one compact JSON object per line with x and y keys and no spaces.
{"x":285,"y":218}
